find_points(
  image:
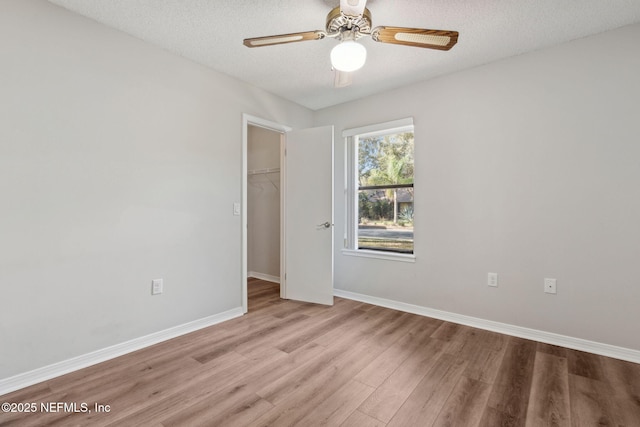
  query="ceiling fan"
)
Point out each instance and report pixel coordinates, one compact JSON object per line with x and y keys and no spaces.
{"x":351,"y":21}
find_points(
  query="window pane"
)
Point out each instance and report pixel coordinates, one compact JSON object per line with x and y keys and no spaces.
{"x":376,"y":228}
{"x":385,"y":192}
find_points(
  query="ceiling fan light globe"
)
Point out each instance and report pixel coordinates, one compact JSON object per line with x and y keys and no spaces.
{"x":348,"y":56}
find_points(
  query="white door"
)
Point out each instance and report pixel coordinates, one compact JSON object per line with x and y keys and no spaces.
{"x":308,"y":215}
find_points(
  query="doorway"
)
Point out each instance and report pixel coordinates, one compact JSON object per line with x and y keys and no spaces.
{"x":263,"y":204}
{"x":306,"y":211}
{"x":262,"y":174}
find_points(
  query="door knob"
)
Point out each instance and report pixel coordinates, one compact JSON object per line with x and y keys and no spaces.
{"x":324,"y":225}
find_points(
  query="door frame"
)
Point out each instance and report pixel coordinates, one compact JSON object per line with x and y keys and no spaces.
{"x":248,"y":120}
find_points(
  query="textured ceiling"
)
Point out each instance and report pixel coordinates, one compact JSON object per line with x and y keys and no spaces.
{"x":211,"y":32}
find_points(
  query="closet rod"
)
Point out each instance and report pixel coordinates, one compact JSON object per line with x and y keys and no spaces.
{"x":263,"y":171}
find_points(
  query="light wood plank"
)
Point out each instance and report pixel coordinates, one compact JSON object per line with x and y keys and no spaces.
{"x":343,"y":360}
{"x":465,"y":404}
{"x":393,"y":392}
{"x":426,"y":401}
{"x":293,"y":403}
{"x":509,"y":397}
{"x":358,"y":419}
{"x":292,"y":363}
{"x":585,"y":364}
{"x":339,"y":406}
{"x":590,"y":403}
{"x":320,"y":328}
{"x":623,"y":380}
{"x":549,"y":400}
{"x":382,"y":367}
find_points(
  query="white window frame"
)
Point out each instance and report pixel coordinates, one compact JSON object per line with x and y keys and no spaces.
{"x":351,"y":188}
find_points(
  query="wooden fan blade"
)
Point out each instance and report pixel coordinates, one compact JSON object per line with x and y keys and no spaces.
{"x":431,"y":39}
{"x":352,"y":7}
{"x":284,"y":38}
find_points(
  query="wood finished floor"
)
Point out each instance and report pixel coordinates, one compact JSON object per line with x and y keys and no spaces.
{"x":353,"y":364}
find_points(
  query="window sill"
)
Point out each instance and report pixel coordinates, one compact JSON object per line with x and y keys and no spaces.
{"x":389,"y":256}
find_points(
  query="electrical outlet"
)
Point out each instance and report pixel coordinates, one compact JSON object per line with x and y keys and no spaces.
{"x":492,"y":279}
{"x":156,"y":287}
{"x":550,"y":286}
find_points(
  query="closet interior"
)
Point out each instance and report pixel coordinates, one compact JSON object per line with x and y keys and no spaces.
{"x":263,"y":204}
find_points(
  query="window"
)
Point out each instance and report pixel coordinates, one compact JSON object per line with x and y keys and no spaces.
{"x":379,"y":193}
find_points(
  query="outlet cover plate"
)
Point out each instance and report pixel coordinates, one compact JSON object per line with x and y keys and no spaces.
{"x":492,"y":279}
{"x":550,"y":286}
{"x":157,"y":286}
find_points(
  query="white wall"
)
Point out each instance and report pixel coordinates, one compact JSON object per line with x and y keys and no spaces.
{"x":528,"y":167}
{"x":263,"y":202}
{"x":119,"y":163}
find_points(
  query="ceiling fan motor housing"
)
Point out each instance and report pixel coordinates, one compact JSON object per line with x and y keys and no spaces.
{"x":338,"y":22}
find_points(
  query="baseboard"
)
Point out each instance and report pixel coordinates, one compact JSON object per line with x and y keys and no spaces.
{"x":262,"y":276}
{"x":45,"y":373}
{"x":503,"y":328}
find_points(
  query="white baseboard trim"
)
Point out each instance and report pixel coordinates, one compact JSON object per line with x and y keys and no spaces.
{"x":503,"y":328}
{"x":7,"y":385}
{"x":262,"y":276}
